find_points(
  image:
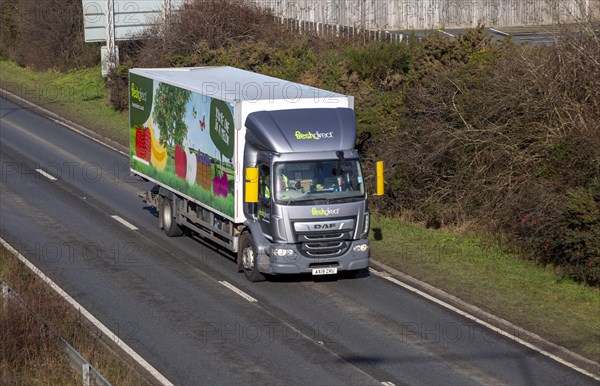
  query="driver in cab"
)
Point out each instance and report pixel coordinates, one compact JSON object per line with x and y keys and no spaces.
{"x":284,"y":184}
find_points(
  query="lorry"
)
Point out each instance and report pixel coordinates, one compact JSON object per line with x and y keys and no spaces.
{"x":263,"y":167}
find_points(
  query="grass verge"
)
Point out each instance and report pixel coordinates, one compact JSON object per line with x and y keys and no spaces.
{"x":471,"y":268}
{"x":31,"y":353}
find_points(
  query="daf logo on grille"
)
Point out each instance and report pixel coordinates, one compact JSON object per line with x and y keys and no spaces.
{"x":325,"y":226}
{"x":309,"y":226}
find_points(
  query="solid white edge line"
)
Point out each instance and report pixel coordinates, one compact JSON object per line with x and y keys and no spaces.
{"x":499,"y":32}
{"x":484,"y":323}
{"x":125,"y":222}
{"x":108,"y":333}
{"x":238,"y":291}
{"x":47,"y":175}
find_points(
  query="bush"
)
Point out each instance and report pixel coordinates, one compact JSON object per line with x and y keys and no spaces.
{"x":49,"y":35}
{"x":8,"y":28}
{"x":574,"y":246}
{"x":377,"y":61}
{"x":504,"y":138}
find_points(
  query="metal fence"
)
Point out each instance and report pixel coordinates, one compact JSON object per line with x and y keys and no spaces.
{"x":390,"y":15}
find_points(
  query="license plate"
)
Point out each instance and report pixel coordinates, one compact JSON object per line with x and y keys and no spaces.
{"x":324,"y":271}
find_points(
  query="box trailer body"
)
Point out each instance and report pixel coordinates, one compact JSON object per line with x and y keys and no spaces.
{"x":197,"y":132}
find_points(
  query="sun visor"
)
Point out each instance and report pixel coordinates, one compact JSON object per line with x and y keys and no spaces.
{"x":302,"y":130}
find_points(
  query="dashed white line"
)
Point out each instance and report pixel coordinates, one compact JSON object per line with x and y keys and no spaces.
{"x":500,"y":331}
{"x":499,"y":32}
{"x":446,"y":33}
{"x":47,"y":175}
{"x":388,"y":383}
{"x":239,"y":291}
{"x":125,"y":222}
{"x":135,"y":356}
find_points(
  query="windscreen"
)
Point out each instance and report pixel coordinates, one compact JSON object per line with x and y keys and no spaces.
{"x":299,"y":182}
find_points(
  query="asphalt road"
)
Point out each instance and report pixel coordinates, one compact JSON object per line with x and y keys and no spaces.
{"x":163,"y":296}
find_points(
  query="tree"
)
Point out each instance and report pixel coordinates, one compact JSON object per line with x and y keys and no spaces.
{"x":169,"y":110}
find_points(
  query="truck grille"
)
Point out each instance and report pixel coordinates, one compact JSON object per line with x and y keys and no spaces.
{"x":324,"y":249}
{"x":323,"y":244}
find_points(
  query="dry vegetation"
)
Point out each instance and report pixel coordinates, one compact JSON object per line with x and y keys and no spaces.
{"x":45,"y":34}
{"x":31,"y":324}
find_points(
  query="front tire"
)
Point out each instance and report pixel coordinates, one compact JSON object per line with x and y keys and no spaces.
{"x":171,"y":228}
{"x":248,"y":258}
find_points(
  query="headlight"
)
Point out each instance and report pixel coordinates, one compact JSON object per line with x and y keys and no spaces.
{"x":282,"y":252}
{"x":361,"y":248}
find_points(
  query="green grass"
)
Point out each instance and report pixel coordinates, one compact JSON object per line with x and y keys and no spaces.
{"x":474,"y":269}
{"x":485,"y":274}
{"x":79,"y":96}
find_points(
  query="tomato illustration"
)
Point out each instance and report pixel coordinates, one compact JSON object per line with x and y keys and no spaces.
{"x":180,"y":162}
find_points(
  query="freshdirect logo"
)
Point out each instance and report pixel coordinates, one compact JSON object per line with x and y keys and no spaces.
{"x":325,"y":211}
{"x":137,"y":93}
{"x":310,"y":135}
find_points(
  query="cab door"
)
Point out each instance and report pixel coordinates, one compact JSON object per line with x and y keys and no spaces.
{"x":265,"y":198}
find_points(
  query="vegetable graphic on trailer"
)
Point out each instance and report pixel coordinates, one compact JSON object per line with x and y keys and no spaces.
{"x":174,"y":146}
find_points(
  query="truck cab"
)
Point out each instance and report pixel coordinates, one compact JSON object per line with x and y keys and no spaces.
{"x":311,"y":213}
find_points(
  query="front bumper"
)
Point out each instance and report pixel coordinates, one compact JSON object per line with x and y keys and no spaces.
{"x":357,"y":257}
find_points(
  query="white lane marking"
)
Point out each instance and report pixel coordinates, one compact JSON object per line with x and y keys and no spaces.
{"x":135,"y":356}
{"x":446,"y":33}
{"x":483,"y":323}
{"x":387,"y":383}
{"x":125,"y":222}
{"x":47,"y":175}
{"x":239,"y":292}
{"x":499,"y":32}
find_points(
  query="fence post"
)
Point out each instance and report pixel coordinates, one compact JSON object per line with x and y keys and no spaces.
{"x":5,"y":296}
{"x":85,"y":369}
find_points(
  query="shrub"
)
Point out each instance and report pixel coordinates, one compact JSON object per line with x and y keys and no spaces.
{"x":376,"y":61}
{"x":505,"y":138}
{"x":50,"y":36}
{"x":574,"y":246}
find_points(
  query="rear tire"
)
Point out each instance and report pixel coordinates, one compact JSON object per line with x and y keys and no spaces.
{"x":248,"y":258}
{"x":171,"y":228}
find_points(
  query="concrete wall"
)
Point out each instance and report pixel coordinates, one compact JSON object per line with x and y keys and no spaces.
{"x":427,"y":14}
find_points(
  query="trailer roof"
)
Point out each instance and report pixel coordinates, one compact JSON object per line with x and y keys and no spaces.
{"x":233,"y":84}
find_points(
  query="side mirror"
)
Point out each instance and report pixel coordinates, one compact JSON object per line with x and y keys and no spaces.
{"x":379,"y":176}
{"x":251,"y":185}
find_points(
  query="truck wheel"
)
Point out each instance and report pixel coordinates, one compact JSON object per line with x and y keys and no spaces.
{"x":171,"y":228}
{"x":247,"y":255}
